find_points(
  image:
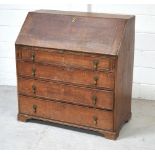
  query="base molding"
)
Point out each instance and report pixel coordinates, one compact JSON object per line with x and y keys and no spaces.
{"x":107,"y":134}
{"x":110,"y":135}
{"x":23,"y":118}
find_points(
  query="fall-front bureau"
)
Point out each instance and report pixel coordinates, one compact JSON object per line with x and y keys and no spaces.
{"x":76,"y":69}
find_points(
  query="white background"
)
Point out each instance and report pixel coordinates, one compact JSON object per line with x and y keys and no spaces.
{"x":12,"y":17}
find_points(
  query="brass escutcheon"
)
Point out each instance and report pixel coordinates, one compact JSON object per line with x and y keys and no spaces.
{"x":34,"y":108}
{"x":33,"y":56}
{"x":33,"y":72}
{"x":73,"y":19}
{"x":95,"y":80}
{"x":95,"y":120}
{"x":34,"y":89}
{"x":94,"y":99}
{"x":95,"y":64}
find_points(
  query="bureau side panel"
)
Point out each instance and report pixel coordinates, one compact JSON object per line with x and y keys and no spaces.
{"x":124,"y":76}
{"x":17,"y":55}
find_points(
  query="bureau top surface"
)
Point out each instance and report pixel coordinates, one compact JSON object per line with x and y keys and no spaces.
{"x":75,"y":31}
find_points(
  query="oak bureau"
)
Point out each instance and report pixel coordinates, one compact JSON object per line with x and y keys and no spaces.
{"x":76,"y":69}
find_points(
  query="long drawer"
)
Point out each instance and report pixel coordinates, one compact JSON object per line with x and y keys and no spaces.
{"x":68,"y":113}
{"x":68,"y":93}
{"x":65,"y":74}
{"x":66,"y":58}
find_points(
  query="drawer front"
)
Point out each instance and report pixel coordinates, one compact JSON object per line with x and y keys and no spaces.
{"x":66,"y":113}
{"x":83,"y":77}
{"x":66,"y":58}
{"x":62,"y":92}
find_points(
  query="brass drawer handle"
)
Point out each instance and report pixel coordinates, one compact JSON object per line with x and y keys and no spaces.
{"x":95,"y":120}
{"x":94,"y":100}
{"x":95,"y":64}
{"x":34,"y":107}
{"x":34,"y":89}
{"x":95,"y":80}
{"x":33,"y":72}
{"x":33,"y":56}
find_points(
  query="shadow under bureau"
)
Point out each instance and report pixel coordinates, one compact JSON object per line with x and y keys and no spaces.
{"x":76,"y":69}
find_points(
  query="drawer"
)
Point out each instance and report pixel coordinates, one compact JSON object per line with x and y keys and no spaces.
{"x":68,"y":75}
{"x":66,"y":58}
{"x":68,"y":113}
{"x":68,"y":93}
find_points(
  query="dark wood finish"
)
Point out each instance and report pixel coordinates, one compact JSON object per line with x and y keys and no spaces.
{"x":107,"y":134}
{"x":123,"y":89}
{"x":66,"y":58}
{"x":87,"y":34}
{"x":66,"y":74}
{"x":65,"y":112}
{"x":68,"y":93}
{"x":76,"y":69}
